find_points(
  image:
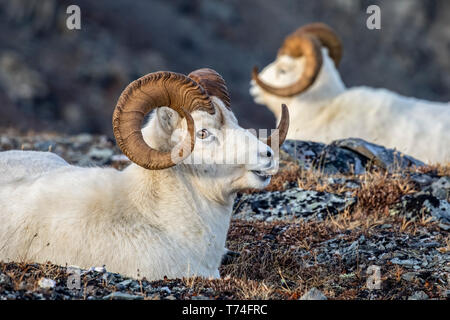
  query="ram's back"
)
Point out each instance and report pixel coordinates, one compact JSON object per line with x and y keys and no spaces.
{"x":416,"y":127}
{"x":15,"y":164}
{"x":50,"y":208}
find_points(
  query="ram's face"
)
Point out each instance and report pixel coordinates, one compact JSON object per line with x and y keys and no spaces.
{"x":284,"y":71}
{"x":230,"y":155}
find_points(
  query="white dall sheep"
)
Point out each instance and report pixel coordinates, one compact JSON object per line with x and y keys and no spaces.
{"x":304,"y":76}
{"x":165,"y":214}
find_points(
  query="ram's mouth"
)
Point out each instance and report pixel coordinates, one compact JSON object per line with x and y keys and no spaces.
{"x":263,"y":175}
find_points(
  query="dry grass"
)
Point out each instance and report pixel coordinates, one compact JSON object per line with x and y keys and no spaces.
{"x":379,"y":190}
{"x":290,"y":173}
{"x":235,"y":288}
{"x":436,"y":169}
{"x":271,"y":257}
{"x":287,"y":174}
{"x":26,"y":276}
{"x":283,"y":259}
{"x":377,"y":193}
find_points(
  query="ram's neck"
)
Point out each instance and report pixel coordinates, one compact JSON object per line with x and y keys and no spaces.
{"x":310,"y":111}
{"x":152,"y":189}
{"x":170,"y":200}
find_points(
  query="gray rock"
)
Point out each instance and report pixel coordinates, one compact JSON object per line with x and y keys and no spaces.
{"x":44,"y":146}
{"x":84,"y":138}
{"x":38,"y":296}
{"x":5,"y":280}
{"x":200,"y":297}
{"x":421,"y":179}
{"x":229,"y":257}
{"x":100,"y":155}
{"x":46,"y":283}
{"x":441,"y":188}
{"x":409,"y":276}
{"x":166,"y":290}
{"x":444,"y":226}
{"x":346,"y":156}
{"x":94,"y":269}
{"x":389,"y":159}
{"x":120,"y":158}
{"x":441,"y":211}
{"x":122,"y":296}
{"x":313,"y":294}
{"x":124,"y":284}
{"x":418,"y":295}
{"x":100,"y":269}
{"x":328,"y":159}
{"x":295,"y":202}
{"x":405,"y":262}
{"x":414,"y":205}
{"x":6,"y":143}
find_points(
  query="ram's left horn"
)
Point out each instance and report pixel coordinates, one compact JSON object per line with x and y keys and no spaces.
{"x":282,"y":128}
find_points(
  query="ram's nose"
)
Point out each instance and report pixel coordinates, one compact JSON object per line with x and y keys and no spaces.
{"x":254,"y":89}
{"x":267,"y":159}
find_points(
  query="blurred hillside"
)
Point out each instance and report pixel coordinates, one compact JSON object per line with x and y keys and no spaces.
{"x":52,"y":78}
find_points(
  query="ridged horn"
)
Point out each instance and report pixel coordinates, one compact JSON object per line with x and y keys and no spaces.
{"x":297,"y":45}
{"x":213,"y":83}
{"x":327,"y":38}
{"x":143,"y":95}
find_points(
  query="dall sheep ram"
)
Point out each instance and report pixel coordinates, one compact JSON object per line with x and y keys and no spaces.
{"x":165,"y":214}
{"x":305,"y":77}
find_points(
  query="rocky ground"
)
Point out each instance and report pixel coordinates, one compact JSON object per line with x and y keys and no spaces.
{"x":332,"y":219}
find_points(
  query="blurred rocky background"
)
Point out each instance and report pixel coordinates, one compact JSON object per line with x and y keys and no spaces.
{"x":52,"y":78}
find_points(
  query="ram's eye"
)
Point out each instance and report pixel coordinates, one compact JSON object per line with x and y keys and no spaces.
{"x":203,"y":134}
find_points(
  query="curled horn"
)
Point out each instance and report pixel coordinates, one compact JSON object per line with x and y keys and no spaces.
{"x":213,"y":83}
{"x":143,"y":95}
{"x":297,"y":45}
{"x":293,"y":46}
{"x":327,"y":38}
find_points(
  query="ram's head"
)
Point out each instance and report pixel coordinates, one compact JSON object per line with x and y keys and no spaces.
{"x":298,"y":64}
{"x":194,"y":127}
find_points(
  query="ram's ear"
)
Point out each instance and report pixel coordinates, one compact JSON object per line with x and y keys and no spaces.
{"x":168,"y":119}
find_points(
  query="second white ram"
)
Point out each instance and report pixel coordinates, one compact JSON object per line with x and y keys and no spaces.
{"x":305,"y":77}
